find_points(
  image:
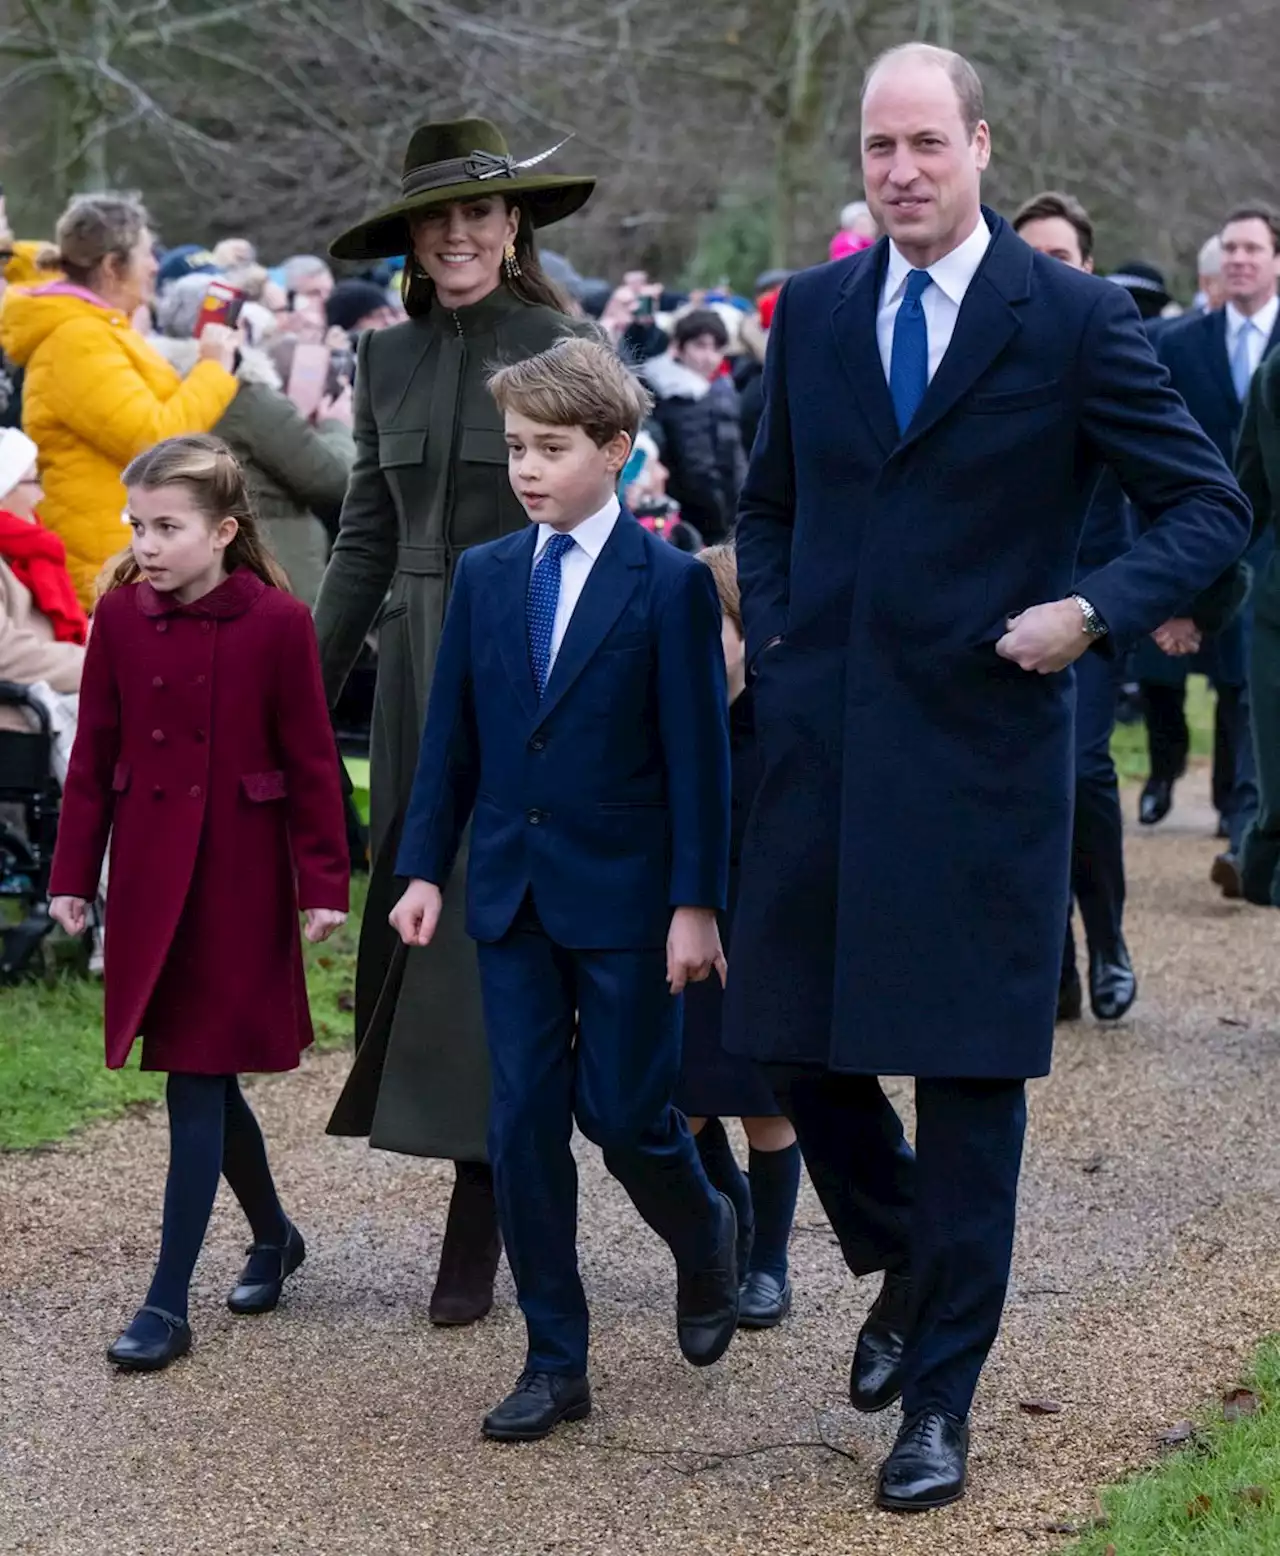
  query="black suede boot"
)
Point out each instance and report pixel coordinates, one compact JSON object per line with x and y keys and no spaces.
{"x":472,"y":1247}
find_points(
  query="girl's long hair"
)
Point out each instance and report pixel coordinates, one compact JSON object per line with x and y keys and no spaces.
{"x":212,"y":475}
{"x":532,"y":285}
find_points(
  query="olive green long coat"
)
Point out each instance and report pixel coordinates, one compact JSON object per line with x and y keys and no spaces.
{"x":429,"y":480}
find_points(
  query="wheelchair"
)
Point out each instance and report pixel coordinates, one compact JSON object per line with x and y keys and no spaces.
{"x":30,"y":801}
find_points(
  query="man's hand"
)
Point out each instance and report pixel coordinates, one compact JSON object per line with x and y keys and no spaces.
{"x":321,"y":923}
{"x":415,"y":916}
{"x":1178,"y":636}
{"x":1046,"y":638}
{"x":71,"y":913}
{"x":693,"y":948}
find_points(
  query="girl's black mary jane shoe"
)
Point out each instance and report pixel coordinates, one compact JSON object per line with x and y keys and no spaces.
{"x":131,"y":1354}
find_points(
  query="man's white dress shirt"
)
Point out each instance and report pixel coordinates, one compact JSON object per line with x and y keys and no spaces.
{"x":941,"y":301}
{"x":1264,"y":321}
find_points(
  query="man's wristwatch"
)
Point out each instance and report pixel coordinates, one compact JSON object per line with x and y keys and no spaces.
{"x":1094,"y":626}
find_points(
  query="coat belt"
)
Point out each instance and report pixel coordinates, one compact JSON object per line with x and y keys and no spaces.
{"x":422,"y":561}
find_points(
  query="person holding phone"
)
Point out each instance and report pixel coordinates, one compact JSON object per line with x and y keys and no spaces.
{"x":430,"y":481}
{"x":96,"y":394}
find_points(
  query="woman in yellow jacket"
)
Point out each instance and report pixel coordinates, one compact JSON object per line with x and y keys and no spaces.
{"x":95,"y":393}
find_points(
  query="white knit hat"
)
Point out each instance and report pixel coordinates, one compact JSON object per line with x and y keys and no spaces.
{"x":17,"y":455}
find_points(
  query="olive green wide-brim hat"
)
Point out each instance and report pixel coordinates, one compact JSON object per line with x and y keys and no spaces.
{"x":462,"y":159}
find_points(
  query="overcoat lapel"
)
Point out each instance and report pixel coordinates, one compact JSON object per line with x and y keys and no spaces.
{"x":609,"y":586}
{"x":853,"y":321}
{"x":509,"y":601}
{"x":1219,"y":362}
{"x":985,"y":325}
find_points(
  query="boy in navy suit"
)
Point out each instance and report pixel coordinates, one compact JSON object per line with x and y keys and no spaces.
{"x":578,"y":719}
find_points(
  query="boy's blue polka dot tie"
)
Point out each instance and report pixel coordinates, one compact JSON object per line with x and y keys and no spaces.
{"x":540,"y":609}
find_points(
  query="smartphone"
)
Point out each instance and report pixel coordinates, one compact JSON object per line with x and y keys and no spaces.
{"x":309,"y":377}
{"x":342,"y":366}
{"x":222,"y":305}
{"x":644,"y":308}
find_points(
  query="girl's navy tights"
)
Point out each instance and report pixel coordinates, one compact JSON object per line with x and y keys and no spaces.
{"x":212,"y":1133}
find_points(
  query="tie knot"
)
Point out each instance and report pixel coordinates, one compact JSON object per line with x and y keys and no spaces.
{"x":917,"y":280}
{"x":557,"y":546}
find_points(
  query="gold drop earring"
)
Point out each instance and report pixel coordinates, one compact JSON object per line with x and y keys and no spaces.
{"x":510,"y":263}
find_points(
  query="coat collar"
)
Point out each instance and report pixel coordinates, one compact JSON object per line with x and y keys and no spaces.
{"x":609,"y":586}
{"x":986,"y":323}
{"x":233,"y":597}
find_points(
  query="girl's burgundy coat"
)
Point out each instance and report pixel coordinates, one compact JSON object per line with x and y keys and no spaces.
{"x":205,"y":751}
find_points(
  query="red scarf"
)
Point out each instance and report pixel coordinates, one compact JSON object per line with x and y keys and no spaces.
{"x":39,"y":561}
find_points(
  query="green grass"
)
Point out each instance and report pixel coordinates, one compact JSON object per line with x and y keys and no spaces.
{"x":53,"y":1076}
{"x":1129,"y":743}
{"x":1219,"y":1496}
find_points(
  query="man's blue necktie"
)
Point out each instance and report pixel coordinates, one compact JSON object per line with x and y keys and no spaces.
{"x":909,"y":359}
{"x":540,"y":609}
{"x":1242,"y":361}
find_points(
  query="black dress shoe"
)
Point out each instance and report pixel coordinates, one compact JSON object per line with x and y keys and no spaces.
{"x":1070,"y":998}
{"x":1225,"y":872}
{"x":263,"y":1277}
{"x":536,"y":1406}
{"x":762,"y":1302}
{"x":1156,"y":801}
{"x":927,"y":1466}
{"x":463,"y":1291}
{"x":132,"y":1355}
{"x":1112,"y":985}
{"x":707,"y":1298}
{"x":875,"y":1379}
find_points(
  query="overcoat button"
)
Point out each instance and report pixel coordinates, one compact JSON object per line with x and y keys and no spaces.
{"x":536,"y":817}
{"x":157,"y":793}
{"x":158,"y":736}
{"x":158,"y":683}
{"x":538,"y":743}
{"x":162,"y":626}
{"x":206,"y":626}
{"x":199,"y":737}
{"x":200,"y":680}
{"x":195,"y":791}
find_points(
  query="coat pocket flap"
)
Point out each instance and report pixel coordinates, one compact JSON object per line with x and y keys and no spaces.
{"x":483,"y":445}
{"x":401,"y":448}
{"x":260,"y":787}
{"x":1002,"y":402}
{"x":120,"y":778}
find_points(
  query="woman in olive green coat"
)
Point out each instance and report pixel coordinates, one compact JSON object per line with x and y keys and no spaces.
{"x":429,"y":480}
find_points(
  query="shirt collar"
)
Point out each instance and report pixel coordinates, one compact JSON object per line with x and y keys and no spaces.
{"x":951,"y":274}
{"x":1264,"y":321}
{"x":591,"y":534}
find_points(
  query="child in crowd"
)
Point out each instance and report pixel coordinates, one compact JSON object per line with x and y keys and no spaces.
{"x":578,"y":720}
{"x":700,"y":419}
{"x":715,"y":1084}
{"x":205,"y":753}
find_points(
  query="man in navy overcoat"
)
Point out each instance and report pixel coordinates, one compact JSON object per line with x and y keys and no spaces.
{"x":939,"y":409}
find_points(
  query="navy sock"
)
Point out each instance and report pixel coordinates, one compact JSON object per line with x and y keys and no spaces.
{"x":245,"y":1167}
{"x":196,"y":1106}
{"x":721,"y":1167}
{"x":775,"y":1183}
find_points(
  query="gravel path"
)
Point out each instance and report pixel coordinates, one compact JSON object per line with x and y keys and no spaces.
{"x":1148,"y":1264}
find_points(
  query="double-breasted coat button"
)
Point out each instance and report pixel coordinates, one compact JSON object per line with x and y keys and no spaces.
{"x":158,"y":683}
{"x":162,"y":626}
{"x":195,"y":791}
{"x":157,"y":793}
{"x":200,"y":737}
{"x":538,"y":743}
{"x":200,"y":680}
{"x":535,"y":818}
{"x":158,"y":736}
{"x":206,"y":626}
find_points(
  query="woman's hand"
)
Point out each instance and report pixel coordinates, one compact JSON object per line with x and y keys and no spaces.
{"x":71,"y":913}
{"x":415,"y":916}
{"x":321,"y":923}
{"x":218,"y":343}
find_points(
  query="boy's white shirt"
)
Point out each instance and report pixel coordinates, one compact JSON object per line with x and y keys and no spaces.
{"x":575,"y":565}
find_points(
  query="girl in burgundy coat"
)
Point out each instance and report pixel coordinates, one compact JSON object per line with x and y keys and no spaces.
{"x":206,"y":755}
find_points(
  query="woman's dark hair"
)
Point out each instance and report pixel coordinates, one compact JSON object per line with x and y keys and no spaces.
{"x":702,"y":321}
{"x":532,"y":285}
{"x":207,"y":468}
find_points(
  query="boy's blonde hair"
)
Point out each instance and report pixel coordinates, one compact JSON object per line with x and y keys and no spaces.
{"x":723,"y":562}
{"x":576,"y":383}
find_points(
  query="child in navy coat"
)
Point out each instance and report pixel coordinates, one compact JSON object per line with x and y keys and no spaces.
{"x":578,"y":721}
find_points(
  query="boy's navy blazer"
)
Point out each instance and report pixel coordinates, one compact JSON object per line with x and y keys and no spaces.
{"x":609,"y":798}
